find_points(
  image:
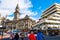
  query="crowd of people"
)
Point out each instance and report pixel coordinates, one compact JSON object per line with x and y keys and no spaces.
{"x":31,"y":36}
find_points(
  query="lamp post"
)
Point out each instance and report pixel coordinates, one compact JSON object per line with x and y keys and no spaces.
{"x":2,"y":27}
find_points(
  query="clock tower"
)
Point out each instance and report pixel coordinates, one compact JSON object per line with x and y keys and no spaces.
{"x":17,"y":13}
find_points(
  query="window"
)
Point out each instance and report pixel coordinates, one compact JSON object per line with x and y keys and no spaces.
{"x":21,"y":23}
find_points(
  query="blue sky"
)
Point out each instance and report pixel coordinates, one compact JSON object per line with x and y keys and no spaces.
{"x":41,"y":5}
{"x":33,"y":8}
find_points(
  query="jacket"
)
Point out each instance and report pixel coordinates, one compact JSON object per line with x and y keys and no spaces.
{"x":40,"y":36}
{"x":32,"y":37}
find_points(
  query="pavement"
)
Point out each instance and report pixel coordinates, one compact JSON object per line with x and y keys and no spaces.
{"x":52,"y":37}
{"x":5,"y":36}
{"x":46,"y":38}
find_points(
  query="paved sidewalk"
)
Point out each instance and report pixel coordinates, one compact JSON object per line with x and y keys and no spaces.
{"x":52,"y":37}
{"x":46,"y":38}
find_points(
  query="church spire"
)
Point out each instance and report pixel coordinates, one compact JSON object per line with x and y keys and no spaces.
{"x":17,"y":7}
{"x":17,"y":13}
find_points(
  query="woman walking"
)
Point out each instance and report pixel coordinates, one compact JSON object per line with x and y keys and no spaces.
{"x":22,"y":36}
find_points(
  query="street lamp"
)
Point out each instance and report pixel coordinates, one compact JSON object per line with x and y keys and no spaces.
{"x":2,"y":27}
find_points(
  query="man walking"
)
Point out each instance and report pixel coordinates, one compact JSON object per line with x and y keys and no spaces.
{"x":40,"y":35}
{"x":16,"y":36}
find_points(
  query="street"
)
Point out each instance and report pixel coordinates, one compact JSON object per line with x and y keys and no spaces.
{"x":52,"y":38}
{"x":46,"y":38}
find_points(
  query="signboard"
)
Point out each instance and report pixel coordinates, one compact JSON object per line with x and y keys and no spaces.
{"x":1,"y":26}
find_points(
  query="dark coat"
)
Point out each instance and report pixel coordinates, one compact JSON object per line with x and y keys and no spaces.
{"x":16,"y":37}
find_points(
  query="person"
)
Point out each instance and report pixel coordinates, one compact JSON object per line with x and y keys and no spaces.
{"x":16,"y":36}
{"x":40,"y":35}
{"x":12,"y":37}
{"x":32,"y":36}
{"x":22,"y":36}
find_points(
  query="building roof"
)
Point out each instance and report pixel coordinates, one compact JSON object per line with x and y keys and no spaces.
{"x":25,"y":18}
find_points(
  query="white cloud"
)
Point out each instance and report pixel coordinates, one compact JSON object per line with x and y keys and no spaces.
{"x":28,"y":12}
{"x":10,"y":18}
{"x":4,"y":12}
{"x":34,"y":19}
{"x":8,"y":6}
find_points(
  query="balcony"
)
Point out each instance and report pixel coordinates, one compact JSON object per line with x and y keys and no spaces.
{"x":49,"y":13}
{"x":52,"y":21}
{"x":56,"y":14}
{"x":48,"y":10}
{"x":54,"y":18}
{"x":42,"y":21}
{"x":53,"y":26}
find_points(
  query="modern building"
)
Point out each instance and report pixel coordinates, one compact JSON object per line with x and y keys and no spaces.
{"x":50,"y":19}
{"x":17,"y":22}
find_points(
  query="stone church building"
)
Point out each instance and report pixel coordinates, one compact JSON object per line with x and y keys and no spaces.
{"x":19,"y":23}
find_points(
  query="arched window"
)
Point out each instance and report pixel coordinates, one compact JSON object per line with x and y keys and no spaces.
{"x":21,"y":24}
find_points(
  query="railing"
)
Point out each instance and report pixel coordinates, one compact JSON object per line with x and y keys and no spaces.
{"x":52,"y":21}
